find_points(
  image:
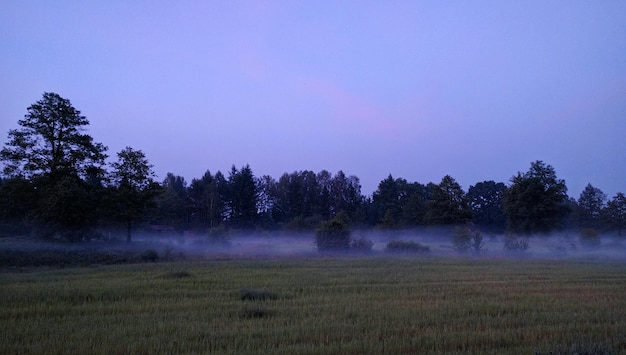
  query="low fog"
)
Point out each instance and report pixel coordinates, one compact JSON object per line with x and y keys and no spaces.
{"x":284,"y":244}
{"x":191,"y":246}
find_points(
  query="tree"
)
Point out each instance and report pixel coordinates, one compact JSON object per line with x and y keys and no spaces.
{"x":68,"y":209}
{"x":243,"y":197}
{"x":134,"y":180}
{"x":334,"y":235}
{"x":266,"y":200}
{"x":414,"y":204}
{"x":206,"y":201}
{"x":536,"y":201}
{"x":18,"y":200}
{"x":590,"y":205}
{"x":466,"y":238}
{"x":386,"y":200}
{"x":448,"y":204}
{"x":298,"y":202}
{"x":50,"y":142}
{"x":63,"y":164}
{"x":486,"y":200}
{"x":171,"y":203}
{"x":615,"y":213}
{"x":345,"y":195}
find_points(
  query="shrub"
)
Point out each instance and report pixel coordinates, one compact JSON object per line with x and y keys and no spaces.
{"x":257,"y":295}
{"x":150,"y":255}
{"x":401,"y":246}
{"x":466,"y":239}
{"x":256,"y":312}
{"x":361,"y":245}
{"x":589,"y":237}
{"x":514,"y":242}
{"x":333,"y":235}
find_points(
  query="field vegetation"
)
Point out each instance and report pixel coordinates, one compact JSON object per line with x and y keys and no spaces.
{"x":376,"y":304}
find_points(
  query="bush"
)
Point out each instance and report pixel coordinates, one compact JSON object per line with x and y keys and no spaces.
{"x":150,"y":255}
{"x":361,"y":245}
{"x":513,"y":242}
{"x":256,"y":312}
{"x":257,"y":295}
{"x":466,"y":239}
{"x":401,"y":246}
{"x":589,"y":237}
{"x":333,"y":235}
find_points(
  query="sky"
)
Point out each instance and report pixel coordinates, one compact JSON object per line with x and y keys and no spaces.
{"x":417,"y":89}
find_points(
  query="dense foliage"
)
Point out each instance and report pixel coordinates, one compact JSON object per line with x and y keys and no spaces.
{"x":536,"y":200}
{"x":333,"y":235}
{"x":56,"y":184}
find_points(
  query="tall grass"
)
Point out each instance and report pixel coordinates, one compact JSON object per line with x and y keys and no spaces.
{"x":318,"y":305}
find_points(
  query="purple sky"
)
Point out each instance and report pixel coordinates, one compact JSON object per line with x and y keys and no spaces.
{"x":476,"y":90}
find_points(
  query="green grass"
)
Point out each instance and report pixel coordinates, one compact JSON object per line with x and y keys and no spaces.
{"x":318,"y":305}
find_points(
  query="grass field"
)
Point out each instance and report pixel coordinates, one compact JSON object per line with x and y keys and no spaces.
{"x":318,"y":305}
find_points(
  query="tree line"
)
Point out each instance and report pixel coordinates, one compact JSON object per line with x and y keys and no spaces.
{"x":56,"y":184}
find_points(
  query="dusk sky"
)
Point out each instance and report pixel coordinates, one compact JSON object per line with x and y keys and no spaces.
{"x":417,"y":89}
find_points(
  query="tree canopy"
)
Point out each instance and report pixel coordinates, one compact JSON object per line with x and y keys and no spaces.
{"x":51,"y":142}
{"x":536,"y":201}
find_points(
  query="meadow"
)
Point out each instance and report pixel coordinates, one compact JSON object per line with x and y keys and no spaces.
{"x":318,"y":305}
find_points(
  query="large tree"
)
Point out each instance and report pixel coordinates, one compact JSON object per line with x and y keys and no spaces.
{"x":486,"y":201}
{"x":266,"y":186}
{"x":346,"y":195}
{"x":172,"y":207}
{"x":134,"y":179}
{"x":62,"y":163}
{"x":448,"y":204}
{"x":398,"y":203}
{"x":207,"y":200}
{"x":536,"y":201}
{"x":615,"y":213}
{"x":387,"y":202}
{"x":51,"y":142}
{"x":243,"y":197}
{"x":590,"y":205}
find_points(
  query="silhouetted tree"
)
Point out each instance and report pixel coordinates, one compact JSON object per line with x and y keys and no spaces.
{"x":67,"y":209}
{"x":172,"y":206}
{"x":414,"y":204}
{"x":134,"y":179}
{"x":615,"y":213}
{"x":206,"y":201}
{"x":448,"y":204}
{"x":397,"y":203}
{"x":266,"y":186}
{"x":62,"y":163}
{"x":386,"y":200}
{"x":50,"y":142}
{"x":536,"y":201}
{"x":243,"y":197}
{"x":589,"y":207}
{"x":486,"y":199}
{"x":334,"y":235}
{"x":345,"y":195}
{"x":297,"y":200}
